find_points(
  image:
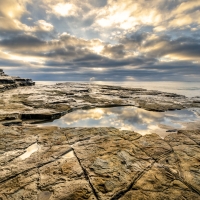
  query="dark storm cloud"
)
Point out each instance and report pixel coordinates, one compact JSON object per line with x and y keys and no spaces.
{"x":22,"y":41}
{"x":95,"y":61}
{"x":98,"y":3}
{"x":183,"y":46}
{"x":169,"y":4}
{"x":116,"y":51}
{"x":134,"y":40}
{"x":75,"y":73}
{"x":10,"y":63}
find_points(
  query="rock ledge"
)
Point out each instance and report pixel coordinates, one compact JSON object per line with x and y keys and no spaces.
{"x":10,"y":82}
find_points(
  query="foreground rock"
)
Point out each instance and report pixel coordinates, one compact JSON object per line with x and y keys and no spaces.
{"x":51,"y":163}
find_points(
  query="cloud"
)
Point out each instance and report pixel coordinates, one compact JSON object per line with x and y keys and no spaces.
{"x":42,"y":25}
{"x":64,"y":9}
{"x":182,"y":48}
{"x":10,"y":14}
{"x":21,"y":42}
{"x":107,"y":40}
{"x":114,"y":51}
{"x":12,"y":9}
{"x":77,"y":57}
{"x":126,"y":15}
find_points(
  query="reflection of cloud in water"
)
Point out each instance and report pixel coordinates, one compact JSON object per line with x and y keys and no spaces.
{"x":126,"y":118}
{"x":73,"y":117}
{"x":129,"y":114}
{"x":137,"y":115}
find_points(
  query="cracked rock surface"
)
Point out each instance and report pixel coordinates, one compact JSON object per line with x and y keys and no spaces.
{"x":51,"y":163}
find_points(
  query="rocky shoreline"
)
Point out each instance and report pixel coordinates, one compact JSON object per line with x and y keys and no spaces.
{"x":52,"y":163}
{"x":10,"y":82}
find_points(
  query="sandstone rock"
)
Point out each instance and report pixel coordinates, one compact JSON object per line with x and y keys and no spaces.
{"x":97,"y":163}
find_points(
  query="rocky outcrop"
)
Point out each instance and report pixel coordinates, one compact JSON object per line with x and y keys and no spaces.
{"x":11,"y":82}
{"x":50,"y":163}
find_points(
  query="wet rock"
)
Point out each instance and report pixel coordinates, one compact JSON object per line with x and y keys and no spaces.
{"x":12,"y":122}
{"x":171,"y":130}
{"x":41,"y":116}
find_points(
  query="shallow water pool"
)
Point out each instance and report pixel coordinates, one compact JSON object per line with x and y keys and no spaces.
{"x":129,"y":118}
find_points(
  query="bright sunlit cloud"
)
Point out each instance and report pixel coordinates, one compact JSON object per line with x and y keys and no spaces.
{"x":27,"y":59}
{"x":98,"y":69}
{"x":97,"y":49}
{"x":64,"y":9}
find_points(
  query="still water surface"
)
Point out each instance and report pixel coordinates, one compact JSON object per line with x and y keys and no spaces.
{"x":129,"y":118}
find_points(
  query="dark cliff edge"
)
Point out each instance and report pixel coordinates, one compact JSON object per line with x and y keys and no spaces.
{"x":9,"y":82}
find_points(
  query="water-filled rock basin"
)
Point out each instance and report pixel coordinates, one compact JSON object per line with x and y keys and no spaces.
{"x":130,"y":118}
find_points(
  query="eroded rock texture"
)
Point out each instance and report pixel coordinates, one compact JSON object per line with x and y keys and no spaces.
{"x":50,"y":163}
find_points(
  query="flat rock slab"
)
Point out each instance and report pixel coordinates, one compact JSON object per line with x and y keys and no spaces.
{"x":51,"y":163}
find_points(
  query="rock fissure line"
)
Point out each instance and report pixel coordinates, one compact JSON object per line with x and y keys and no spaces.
{"x":38,"y":170}
{"x":139,"y":175}
{"x":14,"y":176}
{"x":178,"y":177}
{"x":37,"y":167}
{"x":18,"y":189}
{"x":57,"y":158}
{"x":79,"y":140}
{"x":166,"y":161}
{"x":39,"y":178}
{"x":14,"y":158}
{"x":86,"y":176}
{"x":190,"y":138}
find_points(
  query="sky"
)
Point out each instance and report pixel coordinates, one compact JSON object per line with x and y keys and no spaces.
{"x":101,"y":40}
